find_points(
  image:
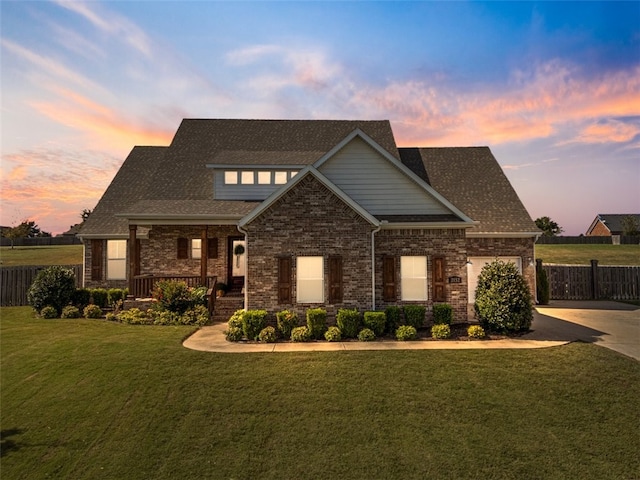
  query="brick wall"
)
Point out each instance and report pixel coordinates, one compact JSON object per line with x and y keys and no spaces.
{"x":309,"y":220}
{"x":600,"y":230}
{"x":449,"y":243}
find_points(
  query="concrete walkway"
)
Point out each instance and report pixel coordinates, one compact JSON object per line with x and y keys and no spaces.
{"x":610,"y":324}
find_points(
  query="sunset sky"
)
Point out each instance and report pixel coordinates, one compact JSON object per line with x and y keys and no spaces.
{"x":553,"y":88}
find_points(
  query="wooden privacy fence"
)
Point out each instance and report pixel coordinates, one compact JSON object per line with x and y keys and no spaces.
{"x":15,"y":282}
{"x":593,"y":282}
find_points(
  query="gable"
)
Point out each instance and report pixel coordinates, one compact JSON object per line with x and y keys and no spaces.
{"x":377,"y":183}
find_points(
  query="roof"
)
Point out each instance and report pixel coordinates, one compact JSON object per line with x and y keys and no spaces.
{"x":613,"y":221}
{"x":176,"y":182}
{"x":472,"y":179}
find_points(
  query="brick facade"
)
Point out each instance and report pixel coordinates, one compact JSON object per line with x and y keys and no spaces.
{"x":599,"y":230}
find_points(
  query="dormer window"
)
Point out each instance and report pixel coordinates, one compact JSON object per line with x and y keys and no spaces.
{"x":247,"y":178}
{"x":280,"y":178}
{"x":264,"y":178}
{"x":230,"y":177}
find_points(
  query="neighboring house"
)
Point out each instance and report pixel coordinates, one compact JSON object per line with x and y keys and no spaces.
{"x":327,"y":213}
{"x":609,"y":224}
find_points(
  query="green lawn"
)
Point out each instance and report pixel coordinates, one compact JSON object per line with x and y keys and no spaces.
{"x":48,"y":255}
{"x":583,"y":254}
{"x":92,"y":399}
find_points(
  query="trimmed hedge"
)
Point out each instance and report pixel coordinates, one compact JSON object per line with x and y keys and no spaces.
{"x":375,"y":321}
{"x":414,"y":315}
{"x":317,"y":322}
{"x":348,"y":321}
{"x":442,"y":314}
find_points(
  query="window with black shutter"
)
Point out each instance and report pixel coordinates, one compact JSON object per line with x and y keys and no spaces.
{"x":183,"y":248}
{"x":97,"y":255}
{"x":335,"y":279}
{"x":212,"y":248}
{"x":389,"y":279}
{"x":284,"y":279}
{"x":439,"y":280}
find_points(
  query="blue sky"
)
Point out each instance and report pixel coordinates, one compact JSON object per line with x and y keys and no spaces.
{"x":552,"y":87}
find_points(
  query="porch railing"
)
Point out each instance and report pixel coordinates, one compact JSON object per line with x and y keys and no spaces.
{"x":143,"y":284}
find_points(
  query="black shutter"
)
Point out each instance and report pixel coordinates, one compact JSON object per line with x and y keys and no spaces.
{"x":389,"y":279}
{"x":183,"y":248}
{"x":335,"y":279}
{"x":439,"y":281}
{"x":284,"y":279}
{"x":212,"y":248}
{"x":97,"y":258}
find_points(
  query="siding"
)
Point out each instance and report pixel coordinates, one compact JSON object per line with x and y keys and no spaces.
{"x":376,"y":184}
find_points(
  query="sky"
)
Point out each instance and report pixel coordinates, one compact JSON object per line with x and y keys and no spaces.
{"x":553,"y":88}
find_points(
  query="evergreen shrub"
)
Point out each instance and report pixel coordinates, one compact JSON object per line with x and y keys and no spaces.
{"x":300,"y":334}
{"x":70,"y":311}
{"x":375,"y":321}
{"x":393,"y":314}
{"x":366,"y":335}
{"x":442,"y":314}
{"x":406,"y":332}
{"x":317,"y":322}
{"x":253,"y":321}
{"x":441,"y":331}
{"x":52,"y":287}
{"x":414,"y":315}
{"x":286,"y":321}
{"x":333,"y":334}
{"x":348,"y":321}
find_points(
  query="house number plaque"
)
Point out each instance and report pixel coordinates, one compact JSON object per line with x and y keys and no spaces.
{"x":455,"y":279}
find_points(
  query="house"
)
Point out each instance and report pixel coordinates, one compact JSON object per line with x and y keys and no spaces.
{"x":609,"y":224}
{"x":307,"y":213}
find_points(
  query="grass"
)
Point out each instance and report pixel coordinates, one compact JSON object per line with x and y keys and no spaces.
{"x":46,"y":255}
{"x":92,"y":399}
{"x":583,"y":254}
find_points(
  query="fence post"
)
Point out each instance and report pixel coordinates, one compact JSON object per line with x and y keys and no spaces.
{"x":595,"y":291}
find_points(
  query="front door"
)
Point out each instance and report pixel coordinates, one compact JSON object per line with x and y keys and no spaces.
{"x":237,"y":262}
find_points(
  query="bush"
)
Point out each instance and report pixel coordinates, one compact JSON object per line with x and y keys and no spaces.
{"x":253,"y":321}
{"x":52,"y":287}
{"x":99,"y":297}
{"x":172,"y":295}
{"x":300,"y":334}
{"x":234,"y":334}
{"x":442,"y":314}
{"x":375,"y":321}
{"x":81,"y":297}
{"x":114,"y":295}
{"x":111,"y":317}
{"x":317,"y":322}
{"x":70,"y":311}
{"x":92,"y":311}
{"x":366,"y":335}
{"x":348,"y":321}
{"x":198,"y":297}
{"x":542,"y":286}
{"x":267,"y":335}
{"x":441,"y":331}
{"x":235,"y":321}
{"x":49,"y":312}
{"x":406,"y":332}
{"x":197,"y":315}
{"x":503,"y":300}
{"x":286,"y":321}
{"x":414,"y":315}
{"x":333,"y":334}
{"x":163,"y":317}
{"x":393,"y":314}
{"x":475,"y":331}
{"x":135,"y":316}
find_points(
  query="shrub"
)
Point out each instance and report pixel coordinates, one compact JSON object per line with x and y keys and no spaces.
{"x":70,"y":311}
{"x":253,"y":321}
{"x":92,"y":311}
{"x":81,"y":297}
{"x":442,"y":314}
{"x":197,"y":297}
{"x":135,"y":316}
{"x":163,"y":317}
{"x":441,"y":331}
{"x":475,"y":331}
{"x":300,"y":334}
{"x":542,"y":286}
{"x":111,"y":317}
{"x":52,"y":287}
{"x":392,"y":314}
{"x":375,"y":321}
{"x":348,"y":321}
{"x":267,"y":335}
{"x":286,"y":321}
{"x":333,"y":334}
{"x":317,"y":322}
{"x":235,"y":321}
{"x":503,"y":300}
{"x":197,"y":315}
{"x":172,"y":295}
{"x":99,"y":297}
{"x":406,"y":332}
{"x":49,"y":312}
{"x":234,"y":334}
{"x":114,"y":295}
{"x":366,"y":335}
{"x":414,"y":315}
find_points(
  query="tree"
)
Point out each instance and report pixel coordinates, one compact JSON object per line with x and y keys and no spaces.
{"x":85,"y":214}
{"x":27,"y":229}
{"x":630,"y":226}
{"x":549,"y":227}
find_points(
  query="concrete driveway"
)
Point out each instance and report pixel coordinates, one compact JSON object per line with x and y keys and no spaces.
{"x":610,"y":324}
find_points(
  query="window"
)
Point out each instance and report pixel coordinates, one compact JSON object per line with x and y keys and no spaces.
{"x":280,"y":178}
{"x":264,"y":178}
{"x":230,"y":178}
{"x":196,"y":248}
{"x":247,"y":178}
{"x":293,"y":174}
{"x":413,"y":278}
{"x":116,"y":259}
{"x":310,"y":279}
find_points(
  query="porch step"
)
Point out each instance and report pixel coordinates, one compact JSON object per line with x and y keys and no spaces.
{"x":226,"y":306}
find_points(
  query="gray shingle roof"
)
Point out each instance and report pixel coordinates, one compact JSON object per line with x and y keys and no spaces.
{"x":613,"y":221}
{"x":472,"y":179}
